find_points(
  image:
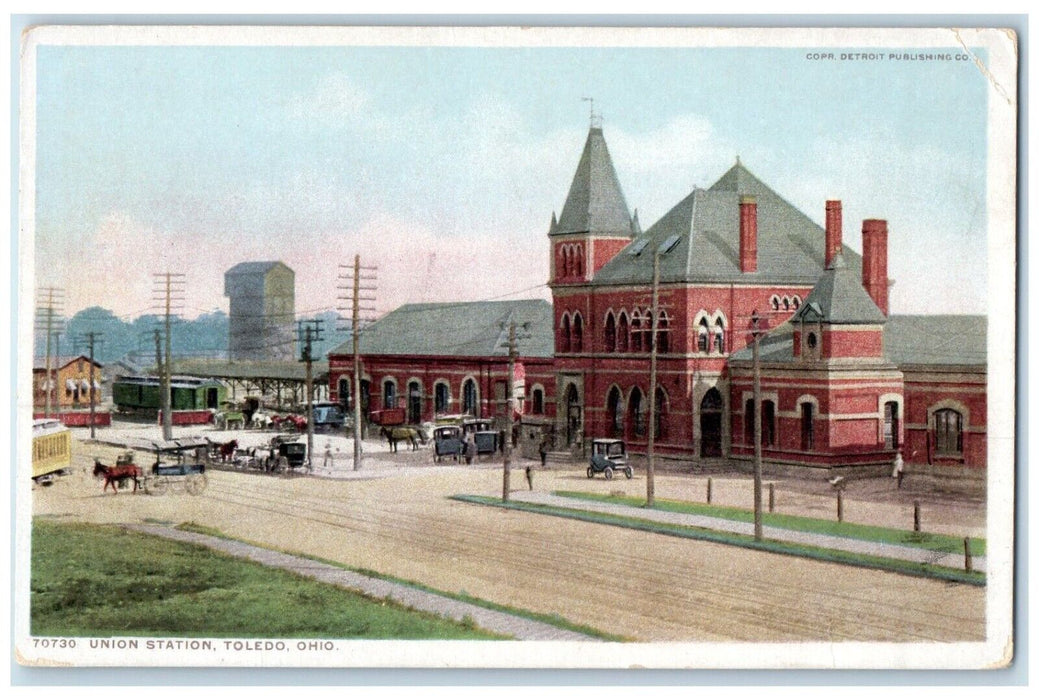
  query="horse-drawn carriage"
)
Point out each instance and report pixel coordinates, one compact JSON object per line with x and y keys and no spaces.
{"x":286,"y":455}
{"x":179,"y":464}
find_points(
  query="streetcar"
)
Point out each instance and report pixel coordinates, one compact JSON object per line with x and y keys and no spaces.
{"x":51,"y":450}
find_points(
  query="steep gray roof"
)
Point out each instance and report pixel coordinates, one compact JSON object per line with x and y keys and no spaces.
{"x":595,"y":203}
{"x":706,"y":223}
{"x":937,"y":341}
{"x":459,"y":329}
{"x":252,"y":268}
{"x":839,"y":297}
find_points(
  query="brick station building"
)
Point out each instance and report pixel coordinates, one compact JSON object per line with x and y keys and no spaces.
{"x":451,"y":358}
{"x":844,"y":383}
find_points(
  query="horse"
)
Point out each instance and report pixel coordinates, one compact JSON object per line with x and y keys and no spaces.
{"x":227,"y":450}
{"x":119,"y":473}
{"x":262,"y":420}
{"x":395,"y":435}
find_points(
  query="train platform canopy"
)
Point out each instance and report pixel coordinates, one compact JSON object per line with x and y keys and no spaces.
{"x":250,"y":369}
{"x":459,"y":329}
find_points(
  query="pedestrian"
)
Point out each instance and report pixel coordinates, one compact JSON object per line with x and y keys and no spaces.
{"x":898,"y":470}
{"x":470,"y":448}
{"x":328,"y":453}
{"x":543,"y":450}
{"x":530,"y":476}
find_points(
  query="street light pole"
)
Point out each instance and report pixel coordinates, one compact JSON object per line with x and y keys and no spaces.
{"x":650,"y":443}
{"x":756,"y":334}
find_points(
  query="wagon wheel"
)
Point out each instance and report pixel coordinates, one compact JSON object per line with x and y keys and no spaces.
{"x":628,"y":472}
{"x":591,"y":473}
{"x":157,"y":485}
{"x":608,"y":473}
{"x":196,"y":484}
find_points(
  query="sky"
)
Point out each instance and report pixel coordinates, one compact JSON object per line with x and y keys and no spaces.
{"x":443,"y":165}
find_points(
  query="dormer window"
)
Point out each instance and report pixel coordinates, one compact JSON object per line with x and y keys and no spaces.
{"x":812,"y":341}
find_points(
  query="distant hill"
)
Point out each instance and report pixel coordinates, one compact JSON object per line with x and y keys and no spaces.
{"x":204,"y":336}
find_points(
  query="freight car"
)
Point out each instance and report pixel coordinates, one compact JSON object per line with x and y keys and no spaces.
{"x":188,"y":395}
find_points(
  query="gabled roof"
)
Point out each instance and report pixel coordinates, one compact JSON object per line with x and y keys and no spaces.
{"x":60,"y":362}
{"x":839,"y":297}
{"x":459,"y":329}
{"x":706,"y":223}
{"x":252,"y":268}
{"x":936,"y":341}
{"x":595,"y":203}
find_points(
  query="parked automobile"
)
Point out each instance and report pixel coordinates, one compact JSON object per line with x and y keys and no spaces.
{"x":608,"y":457}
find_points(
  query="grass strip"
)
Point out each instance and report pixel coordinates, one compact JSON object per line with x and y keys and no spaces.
{"x":549,"y":619}
{"x":856,"y":531}
{"x":976,"y":578}
{"x":95,"y":580}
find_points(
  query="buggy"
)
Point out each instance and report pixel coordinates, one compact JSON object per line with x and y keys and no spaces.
{"x":180,"y":464}
{"x":609,"y":456}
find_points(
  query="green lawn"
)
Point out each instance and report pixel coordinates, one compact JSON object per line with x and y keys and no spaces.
{"x":735,"y":539}
{"x":91,"y":580}
{"x":857,"y":531}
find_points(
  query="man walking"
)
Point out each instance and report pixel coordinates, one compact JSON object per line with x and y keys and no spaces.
{"x":898,"y":469}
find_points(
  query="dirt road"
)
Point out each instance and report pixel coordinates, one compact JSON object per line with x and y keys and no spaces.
{"x":640,"y":585}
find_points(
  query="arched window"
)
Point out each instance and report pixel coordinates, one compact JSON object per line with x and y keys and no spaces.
{"x":561,"y":262}
{"x":948,"y":432}
{"x":577,"y":343}
{"x":610,"y":334}
{"x":537,"y":401}
{"x":564,"y":334}
{"x":414,"y":403}
{"x":796,"y":302}
{"x":622,"y":333}
{"x":569,"y":264}
{"x":636,"y":331}
{"x":579,"y":261}
{"x":774,"y":302}
{"x":719,"y":336}
{"x":346,"y":393}
{"x":647,"y":330}
{"x":807,"y":426}
{"x":441,"y":397}
{"x":660,"y":415}
{"x":891,"y":425}
{"x":786,"y":303}
{"x":470,"y":402}
{"x":637,"y":413}
{"x":389,"y":394}
{"x":748,"y":422}
{"x":614,"y":413}
{"x":663,"y":334}
{"x":768,"y":423}
{"x":703,"y":332}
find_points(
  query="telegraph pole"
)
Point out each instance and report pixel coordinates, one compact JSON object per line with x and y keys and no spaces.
{"x":309,"y":332}
{"x":91,"y":337}
{"x":756,"y":333}
{"x":354,"y":277}
{"x":507,"y":447}
{"x":171,"y":283}
{"x":653,"y":383}
{"x":47,"y":306}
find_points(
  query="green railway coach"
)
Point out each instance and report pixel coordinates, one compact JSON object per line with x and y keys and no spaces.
{"x":142,"y":394}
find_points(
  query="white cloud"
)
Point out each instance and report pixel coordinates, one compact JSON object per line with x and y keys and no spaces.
{"x":336,"y":100}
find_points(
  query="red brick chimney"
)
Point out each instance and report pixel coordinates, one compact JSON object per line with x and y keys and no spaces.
{"x":834,"y":222}
{"x":874,"y":261}
{"x":748,"y":234}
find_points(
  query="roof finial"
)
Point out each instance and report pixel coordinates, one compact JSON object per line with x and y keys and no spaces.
{"x":737,"y":159}
{"x":594,"y":120}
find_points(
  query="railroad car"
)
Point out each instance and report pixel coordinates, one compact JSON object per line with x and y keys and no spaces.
{"x":51,"y":450}
{"x":142,"y":394}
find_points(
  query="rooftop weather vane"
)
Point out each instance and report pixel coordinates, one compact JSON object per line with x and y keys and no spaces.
{"x":595,"y":120}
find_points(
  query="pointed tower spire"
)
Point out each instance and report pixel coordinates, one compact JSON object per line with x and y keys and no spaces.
{"x":595,"y":204}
